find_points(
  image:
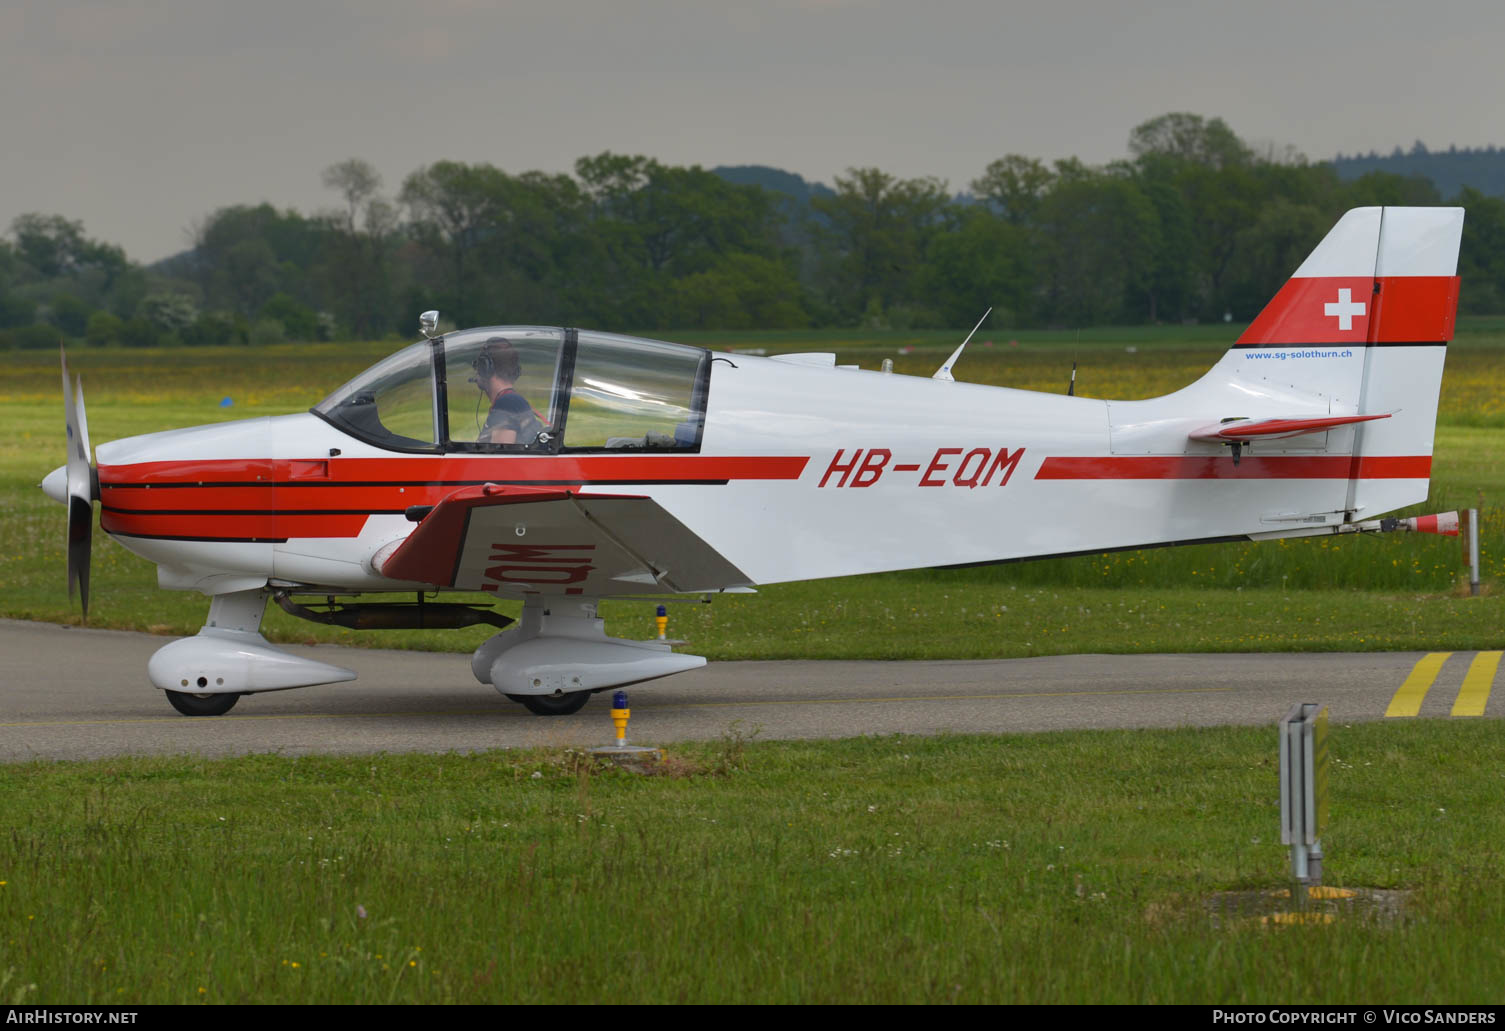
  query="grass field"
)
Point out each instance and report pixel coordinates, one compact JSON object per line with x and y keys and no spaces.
{"x":1397,"y":591}
{"x":1047,"y":868}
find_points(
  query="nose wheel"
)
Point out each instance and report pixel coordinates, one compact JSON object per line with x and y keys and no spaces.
{"x":202,"y":704}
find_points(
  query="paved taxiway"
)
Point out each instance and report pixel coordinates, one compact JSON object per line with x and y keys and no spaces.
{"x":71,"y":693}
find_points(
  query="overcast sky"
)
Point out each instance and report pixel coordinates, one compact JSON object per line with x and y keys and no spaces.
{"x":140,"y":116}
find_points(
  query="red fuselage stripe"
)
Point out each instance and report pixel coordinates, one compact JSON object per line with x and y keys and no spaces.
{"x":1276,"y":467}
{"x":222,"y":526}
{"x":458,"y":469}
{"x":259,"y":499}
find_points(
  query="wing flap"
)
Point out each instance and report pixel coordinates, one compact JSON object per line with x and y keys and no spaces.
{"x":519,"y":540}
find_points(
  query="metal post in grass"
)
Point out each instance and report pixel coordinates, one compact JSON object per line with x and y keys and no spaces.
{"x":1303,"y":790}
{"x":1473,"y":551}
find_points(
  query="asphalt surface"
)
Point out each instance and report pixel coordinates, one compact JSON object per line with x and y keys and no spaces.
{"x":72,"y":693}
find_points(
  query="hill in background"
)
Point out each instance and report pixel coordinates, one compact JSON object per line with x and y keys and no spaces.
{"x":1450,"y":170}
{"x":790,"y":184}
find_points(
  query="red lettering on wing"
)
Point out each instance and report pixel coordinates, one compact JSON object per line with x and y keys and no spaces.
{"x":537,"y":564}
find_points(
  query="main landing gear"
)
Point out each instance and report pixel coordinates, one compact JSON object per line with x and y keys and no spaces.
{"x":558,"y":654}
{"x":551,"y":662}
{"x":553,"y":705}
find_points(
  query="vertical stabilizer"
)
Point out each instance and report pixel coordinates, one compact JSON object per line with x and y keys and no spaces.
{"x":1366,"y":320}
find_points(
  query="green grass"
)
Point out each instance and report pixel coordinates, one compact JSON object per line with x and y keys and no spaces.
{"x":1049,"y":868}
{"x":1398,"y":591}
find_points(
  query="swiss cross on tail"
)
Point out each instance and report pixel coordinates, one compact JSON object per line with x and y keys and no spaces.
{"x":1344,"y":309}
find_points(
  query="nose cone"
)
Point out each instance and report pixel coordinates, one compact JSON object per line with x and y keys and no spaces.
{"x":238,"y":439}
{"x":55,"y":484}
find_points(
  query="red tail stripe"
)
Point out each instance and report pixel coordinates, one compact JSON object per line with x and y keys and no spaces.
{"x":1406,"y":309}
{"x":1275,"y":467}
{"x":1422,"y":309}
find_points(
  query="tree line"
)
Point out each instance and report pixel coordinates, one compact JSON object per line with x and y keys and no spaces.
{"x":1194,"y":224}
{"x":1450,"y":170}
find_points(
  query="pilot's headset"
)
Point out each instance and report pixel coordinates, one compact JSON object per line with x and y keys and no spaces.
{"x":495,"y":358}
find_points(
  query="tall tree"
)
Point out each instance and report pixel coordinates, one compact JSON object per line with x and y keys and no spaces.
{"x":1481,"y":260}
{"x":1101,"y":232}
{"x":1191,"y":138}
{"x":657,"y":224}
{"x":243,"y":255}
{"x":983,"y":262}
{"x":456,"y":209}
{"x":52,"y":246}
{"x":1015,"y":185}
{"x":877,"y":232}
{"x":356,"y":269}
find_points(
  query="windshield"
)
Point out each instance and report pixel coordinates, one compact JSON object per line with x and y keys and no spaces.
{"x":391,"y":404}
{"x":528,"y":389}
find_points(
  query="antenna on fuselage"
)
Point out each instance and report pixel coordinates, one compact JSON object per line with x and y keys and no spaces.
{"x":1071,"y":385}
{"x":944,"y":372}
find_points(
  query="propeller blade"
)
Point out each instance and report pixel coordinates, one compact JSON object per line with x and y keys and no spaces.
{"x":85,"y":448}
{"x":80,"y":488}
{"x":80,"y":542}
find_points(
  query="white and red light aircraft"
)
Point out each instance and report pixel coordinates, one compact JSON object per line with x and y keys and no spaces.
{"x":608,"y":466}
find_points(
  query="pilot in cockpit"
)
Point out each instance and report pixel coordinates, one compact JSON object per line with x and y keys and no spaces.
{"x":511,"y":422}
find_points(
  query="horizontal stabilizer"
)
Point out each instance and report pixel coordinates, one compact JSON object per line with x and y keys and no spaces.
{"x":530,"y":540}
{"x":1445,"y":523}
{"x":1274,"y":429}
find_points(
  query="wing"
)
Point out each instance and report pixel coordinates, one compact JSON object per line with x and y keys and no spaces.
{"x":1243,"y":429}
{"x":517,"y":540}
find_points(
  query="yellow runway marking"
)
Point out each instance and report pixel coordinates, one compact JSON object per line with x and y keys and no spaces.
{"x":1476,"y":684}
{"x":1407,"y":701}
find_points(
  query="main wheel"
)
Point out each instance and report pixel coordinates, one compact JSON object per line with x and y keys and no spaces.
{"x":553,"y":705}
{"x":202,"y":704}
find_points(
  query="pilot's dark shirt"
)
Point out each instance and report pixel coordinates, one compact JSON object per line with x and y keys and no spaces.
{"x":510,"y":412}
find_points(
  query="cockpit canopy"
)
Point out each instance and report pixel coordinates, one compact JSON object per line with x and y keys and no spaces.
{"x":528,"y":389}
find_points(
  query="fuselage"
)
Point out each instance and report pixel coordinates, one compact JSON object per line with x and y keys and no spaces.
{"x":800,"y":470}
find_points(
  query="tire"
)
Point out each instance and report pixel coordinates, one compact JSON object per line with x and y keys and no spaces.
{"x":553,"y":705}
{"x":202,"y":704}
